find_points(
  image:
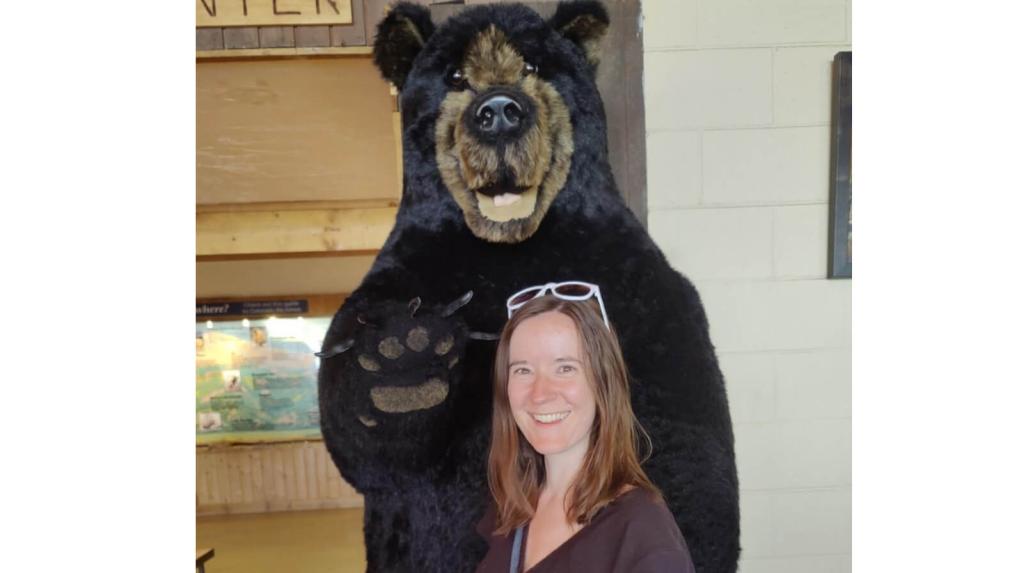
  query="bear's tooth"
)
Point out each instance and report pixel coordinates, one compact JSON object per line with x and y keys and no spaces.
{"x":505,"y":199}
{"x":521,"y":209}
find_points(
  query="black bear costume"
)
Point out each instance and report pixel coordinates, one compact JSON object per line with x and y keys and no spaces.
{"x":507,"y":185}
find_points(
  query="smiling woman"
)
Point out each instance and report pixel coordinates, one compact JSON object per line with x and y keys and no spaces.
{"x":568,"y":488}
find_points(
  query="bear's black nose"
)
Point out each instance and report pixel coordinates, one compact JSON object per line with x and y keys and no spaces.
{"x":499,"y":114}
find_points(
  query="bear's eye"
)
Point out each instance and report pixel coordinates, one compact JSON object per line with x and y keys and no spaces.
{"x":457,"y":80}
{"x":530,"y":69}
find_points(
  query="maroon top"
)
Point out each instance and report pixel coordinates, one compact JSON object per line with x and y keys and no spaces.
{"x":634,"y":533}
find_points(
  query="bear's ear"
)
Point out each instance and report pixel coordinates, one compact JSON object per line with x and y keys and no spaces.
{"x":583,"y":22}
{"x":401,"y":35}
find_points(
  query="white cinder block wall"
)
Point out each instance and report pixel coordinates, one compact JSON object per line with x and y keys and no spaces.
{"x":738,"y":105}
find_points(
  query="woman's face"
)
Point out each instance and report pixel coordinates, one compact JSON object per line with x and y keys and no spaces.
{"x":549,"y":385}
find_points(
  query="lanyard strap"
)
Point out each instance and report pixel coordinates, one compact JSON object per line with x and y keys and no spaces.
{"x":515,"y":558}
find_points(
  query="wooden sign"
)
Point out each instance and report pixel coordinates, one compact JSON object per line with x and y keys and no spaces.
{"x":222,"y":13}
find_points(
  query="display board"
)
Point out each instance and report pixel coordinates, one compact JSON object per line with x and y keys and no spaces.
{"x":256,"y":379}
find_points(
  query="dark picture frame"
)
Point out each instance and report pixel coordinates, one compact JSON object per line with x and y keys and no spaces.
{"x":840,"y":214}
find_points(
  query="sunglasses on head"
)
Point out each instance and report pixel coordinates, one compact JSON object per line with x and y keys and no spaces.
{"x":568,"y":290}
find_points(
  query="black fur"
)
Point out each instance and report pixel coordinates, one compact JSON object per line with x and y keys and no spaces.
{"x":567,"y":12}
{"x":581,"y":21}
{"x":423,"y":473}
{"x":399,"y":38}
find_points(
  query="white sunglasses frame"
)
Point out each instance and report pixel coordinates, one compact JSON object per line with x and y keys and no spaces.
{"x":594,"y":291}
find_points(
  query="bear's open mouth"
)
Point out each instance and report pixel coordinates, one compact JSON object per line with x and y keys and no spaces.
{"x":501,"y":203}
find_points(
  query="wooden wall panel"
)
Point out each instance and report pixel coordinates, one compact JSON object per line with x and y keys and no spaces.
{"x":276,"y":37}
{"x":284,"y":130}
{"x":261,"y":478}
{"x":209,"y":39}
{"x":240,"y":38}
{"x":621,"y":83}
{"x":311,"y":36}
{"x":354,"y":33}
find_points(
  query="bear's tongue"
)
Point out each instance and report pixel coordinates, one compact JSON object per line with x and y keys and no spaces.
{"x":507,"y":206}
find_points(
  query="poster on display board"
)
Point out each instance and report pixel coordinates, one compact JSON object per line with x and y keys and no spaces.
{"x":256,"y":380}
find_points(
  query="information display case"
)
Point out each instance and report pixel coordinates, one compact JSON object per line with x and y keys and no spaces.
{"x":256,"y":378}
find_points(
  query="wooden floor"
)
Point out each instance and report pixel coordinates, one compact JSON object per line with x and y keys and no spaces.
{"x":324,"y":541}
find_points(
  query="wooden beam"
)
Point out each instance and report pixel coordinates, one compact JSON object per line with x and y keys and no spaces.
{"x":274,"y":229}
{"x":397,"y":133}
{"x":283,"y":52}
{"x":294,"y":205}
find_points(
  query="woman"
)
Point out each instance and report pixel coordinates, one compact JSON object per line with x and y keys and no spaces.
{"x":569,"y":492}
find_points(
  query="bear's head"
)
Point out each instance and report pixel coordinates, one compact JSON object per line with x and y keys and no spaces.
{"x":496,"y":101}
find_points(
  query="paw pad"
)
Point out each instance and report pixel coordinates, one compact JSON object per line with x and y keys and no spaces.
{"x":368,"y":363}
{"x":391,"y":348}
{"x":402,"y":399}
{"x":417,"y":339}
{"x":444,"y":345}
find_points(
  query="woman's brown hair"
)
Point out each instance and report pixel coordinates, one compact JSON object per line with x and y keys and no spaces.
{"x":516,"y":472}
